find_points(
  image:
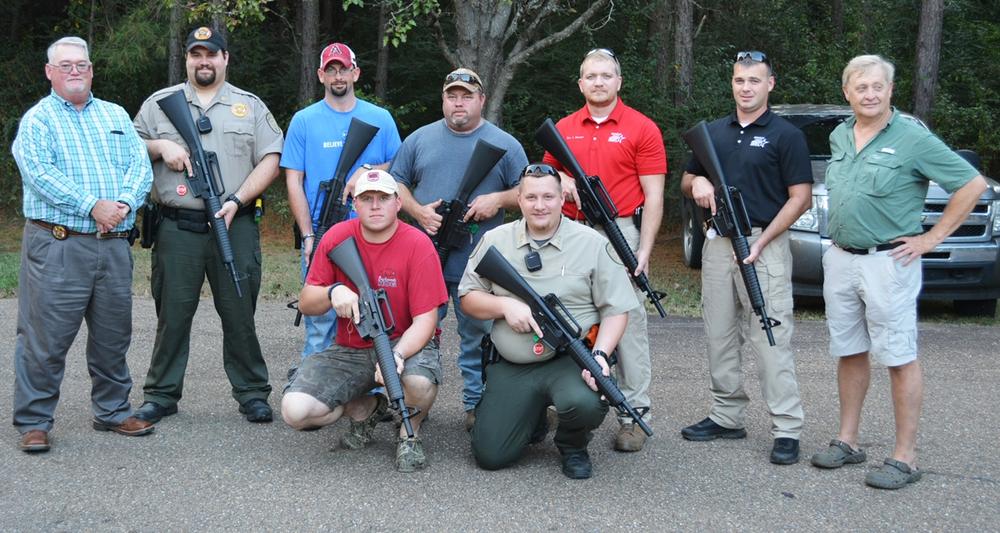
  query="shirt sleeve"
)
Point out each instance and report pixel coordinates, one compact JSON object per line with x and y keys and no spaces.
{"x":390,"y":138}
{"x":402,"y":164}
{"x":428,"y":290}
{"x":471,"y":280}
{"x":267,"y":134}
{"x":139,"y":175}
{"x":796,"y":168}
{"x":514,"y":162}
{"x":651,"y":156}
{"x":293,"y":151}
{"x":610,"y":285}
{"x":935,"y":161}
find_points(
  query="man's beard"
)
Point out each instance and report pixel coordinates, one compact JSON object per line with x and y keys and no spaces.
{"x":204,"y":79}
{"x":339,"y":93}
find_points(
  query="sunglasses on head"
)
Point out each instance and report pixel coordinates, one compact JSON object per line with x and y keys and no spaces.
{"x":538,"y":169}
{"x":752,"y":55}
{"x":605,"y":51}
{"x":461,"y":76}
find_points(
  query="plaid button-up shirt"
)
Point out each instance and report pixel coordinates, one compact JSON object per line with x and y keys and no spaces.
{"x":70,"y":159}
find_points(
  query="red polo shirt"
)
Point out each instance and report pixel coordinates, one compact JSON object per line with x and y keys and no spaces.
{"x":619,"y":150}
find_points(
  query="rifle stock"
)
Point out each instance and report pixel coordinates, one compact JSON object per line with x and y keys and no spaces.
{"x":559,"y":330}
{"x":731,"y":220}
{"x":597,"y":207}
{"x":206,"y":182}
{"x":332,"y":210}
{"x":454,"y":231}
{"x":373,"y":325}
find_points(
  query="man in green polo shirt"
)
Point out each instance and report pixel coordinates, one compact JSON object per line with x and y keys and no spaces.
{"x":576,"y":263}
{"x":877,"y":180}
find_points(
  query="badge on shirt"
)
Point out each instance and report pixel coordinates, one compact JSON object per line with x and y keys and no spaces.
{"x":240,"y":110}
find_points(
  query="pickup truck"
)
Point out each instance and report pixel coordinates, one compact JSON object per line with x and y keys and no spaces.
{"x":965,"y":268}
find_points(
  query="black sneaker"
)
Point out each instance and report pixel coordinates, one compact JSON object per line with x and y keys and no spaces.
{"x":576,"y":465}
{"x":707,"y":429}
{"x":153,"y":412}
{"x":785,"y":451}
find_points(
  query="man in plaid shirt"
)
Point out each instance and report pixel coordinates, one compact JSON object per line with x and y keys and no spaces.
{"x":84,"y":172}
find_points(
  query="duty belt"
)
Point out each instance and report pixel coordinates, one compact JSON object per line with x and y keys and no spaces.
{"x":61,"y":232}
{"x":196,"y":216}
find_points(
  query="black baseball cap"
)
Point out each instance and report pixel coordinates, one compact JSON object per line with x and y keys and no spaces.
{"x":207,"y":37}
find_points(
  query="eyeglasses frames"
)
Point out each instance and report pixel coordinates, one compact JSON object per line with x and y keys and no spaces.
{"x":539,"y":169}
{"x":66,"y":68}
{"x":752,"y":55}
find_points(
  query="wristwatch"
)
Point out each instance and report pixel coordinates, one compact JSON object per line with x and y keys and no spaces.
{"x":236,"y":200}
{"x":601,"y":353}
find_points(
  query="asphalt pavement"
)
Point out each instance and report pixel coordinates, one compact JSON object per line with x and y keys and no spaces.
{"x":206,"y":468}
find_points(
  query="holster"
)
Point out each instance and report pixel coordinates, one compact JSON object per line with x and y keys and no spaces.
{"x":637,"y":217}
{"x":490,"y":354}
{"x":150,"y":225}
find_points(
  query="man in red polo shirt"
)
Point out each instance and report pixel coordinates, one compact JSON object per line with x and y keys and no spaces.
{"x":624,"y":148}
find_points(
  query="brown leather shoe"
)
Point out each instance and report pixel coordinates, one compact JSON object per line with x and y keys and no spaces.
{"x":35,"y":441}
{"x":630,"y":438}
{"x":131,"y":426}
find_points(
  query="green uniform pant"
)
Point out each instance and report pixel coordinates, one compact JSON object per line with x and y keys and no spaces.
{"x":181,"y":262}
{"x":514,"y":402}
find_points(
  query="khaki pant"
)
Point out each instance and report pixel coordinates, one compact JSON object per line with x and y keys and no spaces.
{"x":730,"y":323}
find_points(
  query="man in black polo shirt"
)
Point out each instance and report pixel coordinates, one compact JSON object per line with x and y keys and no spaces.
{"x":766,"y":158}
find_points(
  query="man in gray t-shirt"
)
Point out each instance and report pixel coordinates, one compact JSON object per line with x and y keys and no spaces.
{"x":429,"y":167}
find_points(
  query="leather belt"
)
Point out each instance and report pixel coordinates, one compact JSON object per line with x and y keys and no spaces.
{"x":61,"y":232}
{"x":873,"y":249}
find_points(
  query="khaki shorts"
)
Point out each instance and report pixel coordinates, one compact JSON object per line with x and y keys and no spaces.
{"x":339,"y":374}
{"x":871,"y":305}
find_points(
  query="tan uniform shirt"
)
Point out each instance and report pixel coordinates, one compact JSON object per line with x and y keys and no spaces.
{"x":243,"y":132}
{"x":578,"y":265}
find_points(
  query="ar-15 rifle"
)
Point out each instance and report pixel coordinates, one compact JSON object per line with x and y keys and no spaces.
{"x":597,"y":207}
{"x":332,"y":210}
{"x":559,"y":329}
{"x":731,"y":220}
{"x":454,"y":231}
{"x":373,"y":326}
{"x":207,"y":181}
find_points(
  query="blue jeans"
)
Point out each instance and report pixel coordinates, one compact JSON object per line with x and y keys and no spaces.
{"x":470,"y":357}
{"x":320,"y":330}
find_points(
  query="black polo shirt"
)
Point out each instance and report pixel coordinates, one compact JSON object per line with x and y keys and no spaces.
{"x":761,"y":160}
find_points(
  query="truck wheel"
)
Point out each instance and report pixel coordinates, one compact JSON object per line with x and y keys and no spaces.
{"x":693,"y":238}
{"x":976,"y":307}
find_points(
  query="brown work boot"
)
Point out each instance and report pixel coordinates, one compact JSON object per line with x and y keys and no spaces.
{"x":130,"y":427}
{"x":630,"y":438}
{"x":35,"y":441}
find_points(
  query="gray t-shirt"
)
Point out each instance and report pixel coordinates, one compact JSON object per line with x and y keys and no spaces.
{"x":431,"y":163}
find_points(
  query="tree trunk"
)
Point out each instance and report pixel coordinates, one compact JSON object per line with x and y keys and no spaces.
{"x":219,"y":19}
{"x":175,"y":50}
{"x":837,"y":22}
{"x":382,"y":67}
{"x":928,"y":56}
{"x":308,"y":28}
{"x":661,"y":28}
{"x":684,"y":52}
{"x":495,"y":37}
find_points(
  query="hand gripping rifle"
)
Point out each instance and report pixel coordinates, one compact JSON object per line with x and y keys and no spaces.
{"x":597,"y":207}
{"x":373,"y":326}
{"x":332,"y":210}
{"x":206,"y":182}
{"x":731,"y":220}
{"x":559,"y":330}
{"x":454,"y":231}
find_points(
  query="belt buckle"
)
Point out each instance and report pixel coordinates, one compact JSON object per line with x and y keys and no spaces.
{"x":59,"y":232}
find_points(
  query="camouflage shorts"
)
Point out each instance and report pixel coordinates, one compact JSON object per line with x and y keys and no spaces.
{"x":340,"y":374}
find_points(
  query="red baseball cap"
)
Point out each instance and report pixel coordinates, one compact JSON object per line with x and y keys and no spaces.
{"x":338,"y":52}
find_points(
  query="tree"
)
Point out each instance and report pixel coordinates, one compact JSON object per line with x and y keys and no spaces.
{"x":925,"y":72}
{"x":684,"y":51}
{"x":309,"y":26}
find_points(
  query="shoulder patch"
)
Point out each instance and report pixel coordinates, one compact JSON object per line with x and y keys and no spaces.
{"x":273,"y":123}
{"x":610,"y":250}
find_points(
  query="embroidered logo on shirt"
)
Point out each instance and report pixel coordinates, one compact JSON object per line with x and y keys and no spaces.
{"x":759,"y":141}
{"x":616,"y":137}
{"x":387,"y":279}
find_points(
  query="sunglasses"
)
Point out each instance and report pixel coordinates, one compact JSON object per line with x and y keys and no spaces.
{"x":752,"y":55}
{"x":539,"y":169}
{"x":461,"y":76}
{"x":605,"y":51}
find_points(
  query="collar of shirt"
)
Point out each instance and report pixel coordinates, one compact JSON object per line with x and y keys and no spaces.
{"x":66,"y":103}
{"x":614,"y":117}
{"x":222,"y":96}
{"x":761,"y":121}
{"x":556,"y":239}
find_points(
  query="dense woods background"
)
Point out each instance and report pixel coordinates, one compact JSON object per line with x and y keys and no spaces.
{"x":676,"y":56}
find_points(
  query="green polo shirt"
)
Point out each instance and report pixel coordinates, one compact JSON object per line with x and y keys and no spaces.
{"x":578,"y":265}
{"x":877,"y":194}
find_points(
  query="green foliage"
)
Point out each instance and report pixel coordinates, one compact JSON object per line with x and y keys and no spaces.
{"x":235,"y":13}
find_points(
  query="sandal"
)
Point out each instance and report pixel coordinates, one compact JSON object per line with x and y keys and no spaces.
{"x":893,"y":475}
{"x":838,"y":454}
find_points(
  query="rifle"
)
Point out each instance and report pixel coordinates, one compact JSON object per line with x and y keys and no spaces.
{"x":206,"y":183}
{"x":731,"y":220}
{"x":332,"y":210}
{"x":559,"y":330}
{"x":373,"y":326}
{"x":597,"y":207}
{"x":454,"y":231}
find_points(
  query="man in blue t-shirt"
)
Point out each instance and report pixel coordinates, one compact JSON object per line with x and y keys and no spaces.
{"x":429,"y":167}
{"x":313,"y":145}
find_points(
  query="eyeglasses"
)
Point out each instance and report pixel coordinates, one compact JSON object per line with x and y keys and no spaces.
{"x":752,"y":55}
{"x":538,"y":169}
{"x":66,"y":68}
{"x":605,"y":51}
{"x":337,"y":72}
{"x":461,"y":76}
